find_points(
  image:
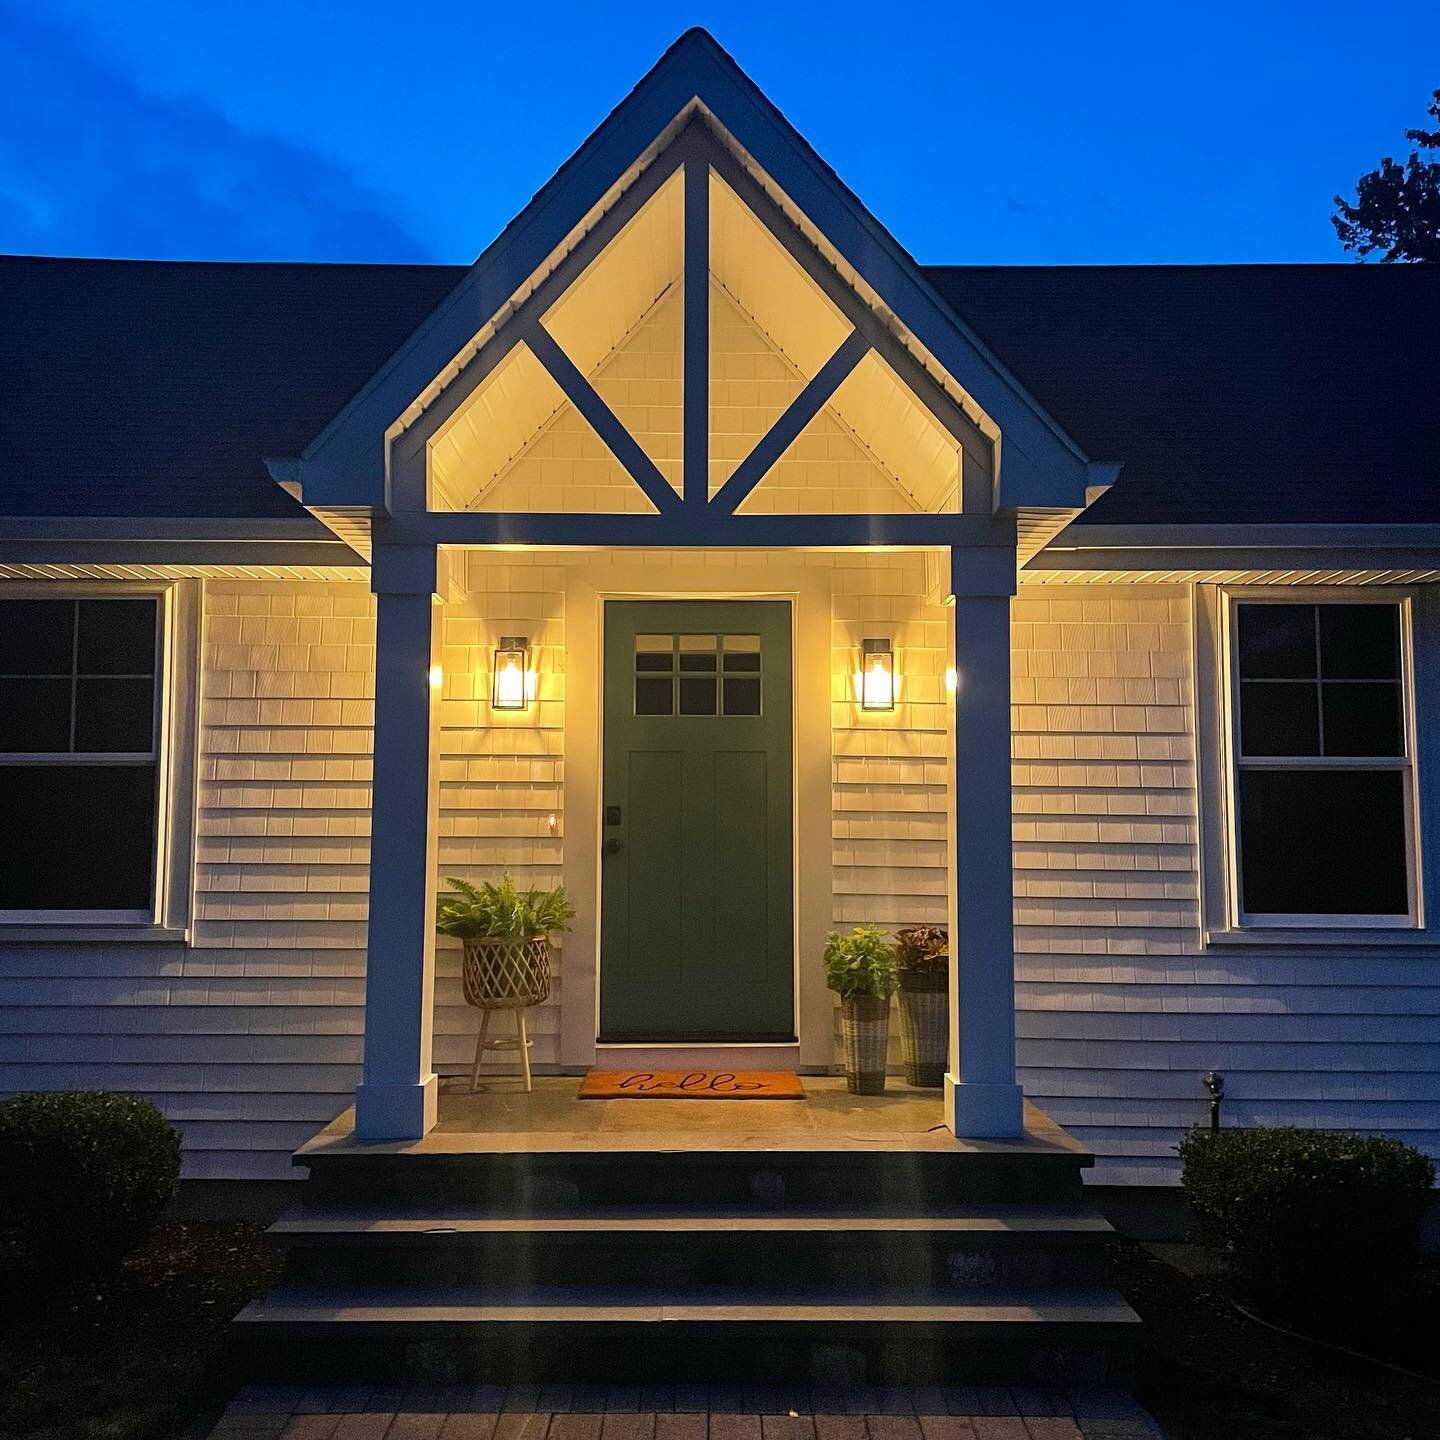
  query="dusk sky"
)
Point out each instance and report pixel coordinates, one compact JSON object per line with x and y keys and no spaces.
{"x":1006,"y":133}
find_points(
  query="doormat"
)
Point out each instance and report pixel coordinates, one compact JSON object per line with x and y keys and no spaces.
{"x":692,"y":1085}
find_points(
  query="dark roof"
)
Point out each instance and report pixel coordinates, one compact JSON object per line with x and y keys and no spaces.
{"x":1233,"y":394}
{"x":158,"y":388}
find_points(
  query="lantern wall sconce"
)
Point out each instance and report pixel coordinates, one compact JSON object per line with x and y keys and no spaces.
{"x":877,"y":675}
{"x":512,"y":685}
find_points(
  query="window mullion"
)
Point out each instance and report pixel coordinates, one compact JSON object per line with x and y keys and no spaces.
{"x":74,"y":666}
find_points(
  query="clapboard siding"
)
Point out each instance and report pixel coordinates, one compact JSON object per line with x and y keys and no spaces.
{"x":1121,"y":1009}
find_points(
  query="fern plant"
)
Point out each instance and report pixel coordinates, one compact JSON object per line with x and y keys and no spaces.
{"x":501,"y":912}
{"x":861,"y":963}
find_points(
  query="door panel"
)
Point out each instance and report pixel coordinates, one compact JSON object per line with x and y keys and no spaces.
{"x":696,"y":903}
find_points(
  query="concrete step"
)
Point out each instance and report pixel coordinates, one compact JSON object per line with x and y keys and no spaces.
{"x":1050,"y":1334}
{"x":535,"y":1181}
{"x":1004,"y":1245}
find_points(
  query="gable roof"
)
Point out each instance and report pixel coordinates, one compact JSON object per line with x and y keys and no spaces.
{"x":1234,"y":394}
{"x":345,"y":464}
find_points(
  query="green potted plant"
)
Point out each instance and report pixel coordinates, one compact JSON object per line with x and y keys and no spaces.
{"x":506,"y":934}
{"x":922,"y":954}
{"x":860,"y":969}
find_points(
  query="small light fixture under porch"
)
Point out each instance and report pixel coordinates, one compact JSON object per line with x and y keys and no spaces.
{"x":877,"y":674}
{"x":513,"y":681}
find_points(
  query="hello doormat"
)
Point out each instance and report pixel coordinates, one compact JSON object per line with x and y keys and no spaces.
{"x":691,"y":1085}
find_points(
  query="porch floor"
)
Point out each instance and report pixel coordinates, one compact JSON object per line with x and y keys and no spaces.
{"x":502,"y":1118}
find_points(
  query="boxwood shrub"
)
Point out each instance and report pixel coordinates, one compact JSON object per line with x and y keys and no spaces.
{"x":1308,"y":1216}
{"x":84,"y":1176}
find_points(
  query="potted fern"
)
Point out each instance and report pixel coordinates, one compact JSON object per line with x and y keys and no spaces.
{"x":506,"y":934}
{"x":922,"y":955}
{"x":860,"y":969}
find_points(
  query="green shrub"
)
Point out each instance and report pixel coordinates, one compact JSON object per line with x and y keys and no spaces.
{"x":1308,"y":1217}
{"x":861,"y":963}
{"x":84,"y":1176}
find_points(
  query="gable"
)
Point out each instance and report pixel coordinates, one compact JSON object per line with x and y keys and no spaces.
{"x":763,"y":158}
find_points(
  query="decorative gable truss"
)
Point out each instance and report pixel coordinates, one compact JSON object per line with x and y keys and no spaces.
{"x":645,"y":371}
{"x":694,"y":335}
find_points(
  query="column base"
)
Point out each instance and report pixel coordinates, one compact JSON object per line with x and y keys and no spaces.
{"x":396,"y":1112}
{"x":984,"y":1112}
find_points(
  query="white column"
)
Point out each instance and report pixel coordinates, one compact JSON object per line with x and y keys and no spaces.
{"x":982,"y":1098}
{"x":397,"y":1096}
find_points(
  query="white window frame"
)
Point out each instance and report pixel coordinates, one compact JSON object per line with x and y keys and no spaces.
{"x":173,"y":751}
{"x":1230,"y":598}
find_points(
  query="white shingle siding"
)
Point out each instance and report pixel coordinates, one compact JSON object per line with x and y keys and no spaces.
{"x":1121,"y":1009}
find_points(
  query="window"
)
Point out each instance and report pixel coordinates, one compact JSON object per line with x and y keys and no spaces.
{"x":1321,"y":782}
{"x":697,"y":674}
{"x":80,"y":758}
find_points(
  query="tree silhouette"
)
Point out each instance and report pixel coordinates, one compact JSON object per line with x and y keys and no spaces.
{"x":1397,"y":207}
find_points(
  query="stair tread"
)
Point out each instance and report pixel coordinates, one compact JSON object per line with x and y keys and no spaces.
{"x":592,"y":1305}
{"x":368,"y":1221}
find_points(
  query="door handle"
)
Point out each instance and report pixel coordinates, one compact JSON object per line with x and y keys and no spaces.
{"x":611,"y":846}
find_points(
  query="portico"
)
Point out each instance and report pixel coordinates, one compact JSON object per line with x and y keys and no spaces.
{"x":695,"y":373}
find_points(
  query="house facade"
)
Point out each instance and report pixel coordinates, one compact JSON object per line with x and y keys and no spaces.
{"x":699,"y":550}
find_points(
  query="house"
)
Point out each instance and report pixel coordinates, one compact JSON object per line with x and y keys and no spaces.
{"x":1150,"y":556}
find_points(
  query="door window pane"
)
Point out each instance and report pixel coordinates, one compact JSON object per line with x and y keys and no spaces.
{"x":654,"y":695}
{"x":742,"y":653}
{"x":34,"y":716}
{"x":697,"y":653}
{"x":697,"y":694}
{"x":655,"y":652}
{"x":1276,"y":642}
{"x":742,"y":695}
{"x":1323,"y":842}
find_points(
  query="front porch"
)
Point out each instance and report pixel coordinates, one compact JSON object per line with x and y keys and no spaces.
{"x":501,"y":1118}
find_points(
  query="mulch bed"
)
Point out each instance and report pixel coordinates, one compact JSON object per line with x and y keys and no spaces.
{"x":142,"y":1356}
{"x":1208,"y":1373}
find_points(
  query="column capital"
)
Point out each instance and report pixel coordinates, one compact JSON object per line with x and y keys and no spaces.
{"x":982,"y":571}
{"x":408,"y":570}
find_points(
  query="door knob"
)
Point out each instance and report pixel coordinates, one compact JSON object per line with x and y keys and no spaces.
{"x":611,"y":846}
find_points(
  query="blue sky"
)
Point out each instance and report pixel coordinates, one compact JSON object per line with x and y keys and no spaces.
{"x":1016,"y":134}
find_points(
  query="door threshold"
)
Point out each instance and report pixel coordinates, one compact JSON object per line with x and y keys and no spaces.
{"x":666,"y":1056}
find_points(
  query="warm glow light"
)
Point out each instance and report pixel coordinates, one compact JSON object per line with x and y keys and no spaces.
{"x":514,"y":683}
{"x":877,"y":675}
{"x":437,"y":677}
{"x":949,"y":679}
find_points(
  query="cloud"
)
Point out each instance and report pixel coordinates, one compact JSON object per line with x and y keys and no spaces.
{"x":90,"y":164}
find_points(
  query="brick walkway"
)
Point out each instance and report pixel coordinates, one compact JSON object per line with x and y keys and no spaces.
{"x":715,"y":1412}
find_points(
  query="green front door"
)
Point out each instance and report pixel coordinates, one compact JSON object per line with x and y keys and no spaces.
{"x":696,"y":905}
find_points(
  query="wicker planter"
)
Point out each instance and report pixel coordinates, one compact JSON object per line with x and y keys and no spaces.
{"x":506,"y":974}
{"x":865,"y":1028}
{"x":925,"y":1027}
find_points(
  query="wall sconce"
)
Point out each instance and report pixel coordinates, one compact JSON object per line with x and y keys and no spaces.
{"x":513,"y":682}
{"x":877,"y":675}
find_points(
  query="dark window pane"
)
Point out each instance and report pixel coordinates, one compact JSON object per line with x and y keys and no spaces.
{"x":653,"y":662}
{"x":1322,"y":842}
{"x":654,"y":697}
{"x":77,"y":837}
{"x":1363,"y":719}
{"x":117,"y":637}
{"x":34,"y":716}
{"x":1277,"y":642}
{"x":1278,"y":719}
{"x":37,"y":637}
{"x":742,"y":696}
{"x":698,"y":661}
{"x":114,"y":715}
{"x":697,"y":697}
{"x":743,"y":661}
{"x":1360,"y":642}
